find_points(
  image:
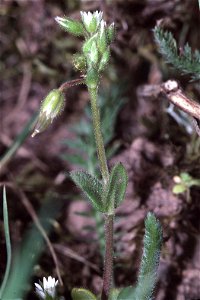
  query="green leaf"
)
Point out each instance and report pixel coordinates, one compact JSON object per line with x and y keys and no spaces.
{"x":187,"y":62}
{"x":185,"y":177}
{"x":179,"y":188}
{"x":116,"y":188}
{"x":150,"y":259}
{"x":126,"y":293}
{"x":91,"y":186}
{"x":75,"y":159}
{"x":8,"y":243}
{"x":114,"y":294}
{"x":82,"y":294}
{"x":149,"y":263}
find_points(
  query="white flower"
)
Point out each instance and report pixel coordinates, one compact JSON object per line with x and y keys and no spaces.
{"x":48,"y":287}
{"x":91,"y":20}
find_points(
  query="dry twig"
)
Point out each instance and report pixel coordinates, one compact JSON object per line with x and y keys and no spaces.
{"x":175,"y":95}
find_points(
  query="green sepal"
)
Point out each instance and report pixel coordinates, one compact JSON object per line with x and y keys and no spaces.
{"x":91,"y":186}
{"x":104,"y":60}
{"x":92,"y":78}
{"x":74,"y":27}
{"x":102,"y":40}
{"x":88,"y":44}
{"x":116,"y":188}
{"x":93,"y":55}
{"x":82,"y":294}
{"x":111,"y":33}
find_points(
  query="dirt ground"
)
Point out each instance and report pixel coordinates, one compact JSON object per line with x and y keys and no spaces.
{"x":36,"y":56}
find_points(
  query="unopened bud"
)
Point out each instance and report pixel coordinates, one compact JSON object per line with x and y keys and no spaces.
{"x":104,"y":60}
{"x":71,"y":26}
{"x":102,"y":41}
{"x":93,"y":55}
{"x":111,"y":32}
{"x":79,"y":62}
{"x":51,"y":107}
{"x":88,"y":44}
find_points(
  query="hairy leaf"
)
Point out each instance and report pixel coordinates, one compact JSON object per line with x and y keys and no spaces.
{"x":82,"y":294}
{"x":149,"y":263}
{"x":150,"y":258}
{"x":91,"y":186}
{"x":116,"y":188}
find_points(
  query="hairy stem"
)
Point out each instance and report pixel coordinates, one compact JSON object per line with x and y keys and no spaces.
{"x":109,"y":219}
{"x":98,"y":135}
{"x":71,"y":83}
{"x":108,"y":261}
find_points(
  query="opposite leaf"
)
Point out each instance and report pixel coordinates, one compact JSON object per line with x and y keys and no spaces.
{"x":116,"y":188}
{"x":91,"y":186}
{"x":82,"y":294}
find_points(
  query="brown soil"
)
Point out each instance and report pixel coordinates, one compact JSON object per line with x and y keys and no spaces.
{"x":36,"y":57}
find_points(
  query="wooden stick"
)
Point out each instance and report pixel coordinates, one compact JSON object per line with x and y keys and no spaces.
{"x":174,"y":93}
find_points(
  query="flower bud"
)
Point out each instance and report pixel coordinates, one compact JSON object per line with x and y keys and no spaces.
{"x":102,"y":38}
{"x":88,"y":44}
{"x":111,"y":33}
{"x":51,"y":107}
{"x":71,"y":26}
{"x":104,"y":60}
{"x":79,"y":62}
{"x":92,"y":56}
{"x":91,"y":21}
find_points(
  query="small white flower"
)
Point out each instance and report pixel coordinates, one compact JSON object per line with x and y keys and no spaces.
{"x":91,"y":20}
{"x":47,"y":287}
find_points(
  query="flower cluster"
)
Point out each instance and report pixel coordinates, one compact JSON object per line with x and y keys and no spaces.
{"x":91,"y":61}
{"x":47,"y":288}
{"x":96,"y":47}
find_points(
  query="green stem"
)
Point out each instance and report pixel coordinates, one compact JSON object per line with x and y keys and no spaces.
{"x":109,"y":219}
{"x":108,"y":260}
{"x":98,"y":135}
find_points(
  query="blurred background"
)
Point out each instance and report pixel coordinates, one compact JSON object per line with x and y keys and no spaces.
{"x":154,"y":142}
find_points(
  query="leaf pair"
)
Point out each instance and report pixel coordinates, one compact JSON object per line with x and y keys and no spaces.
{"x":104,"y":198}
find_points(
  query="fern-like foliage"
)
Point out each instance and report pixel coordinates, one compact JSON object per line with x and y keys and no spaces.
{"x":187,"y":62}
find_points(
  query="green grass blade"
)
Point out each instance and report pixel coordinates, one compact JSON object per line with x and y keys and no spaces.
{"x":27,"y":130}
{"x":8,"y":243}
